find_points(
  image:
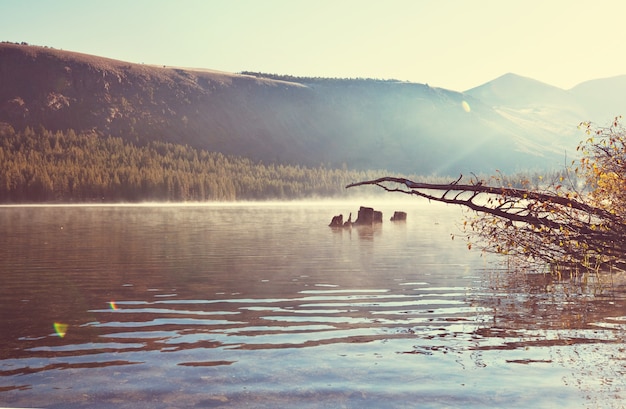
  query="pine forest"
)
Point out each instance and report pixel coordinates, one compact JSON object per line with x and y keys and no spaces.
{"x":38,"y":166}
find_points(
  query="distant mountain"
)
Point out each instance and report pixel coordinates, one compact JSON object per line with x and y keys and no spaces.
{"x":603,"y":99}
{"x":547,"y":115}
{"x":514,"y":91}
{"x":552,"y":113}
{"x":512,"y":123}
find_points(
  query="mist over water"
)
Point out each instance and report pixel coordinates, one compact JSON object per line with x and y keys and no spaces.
{"x":264,"y":305}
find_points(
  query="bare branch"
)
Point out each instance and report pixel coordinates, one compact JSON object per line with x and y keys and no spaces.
{"x":490,"y":190}
{"x":556,"y":226}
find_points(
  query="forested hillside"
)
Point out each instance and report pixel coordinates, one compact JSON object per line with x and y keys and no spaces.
{"x":363,"y":124}
{"x":45,"y":166}
{"x":76,"y":127}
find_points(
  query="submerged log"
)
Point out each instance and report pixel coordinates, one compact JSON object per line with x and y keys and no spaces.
{"x":398,"y":217}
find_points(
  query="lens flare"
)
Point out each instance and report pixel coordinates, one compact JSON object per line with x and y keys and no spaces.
{"x":112,"y":305}
{"x":60,"y":329}
{"x":465,"y":106}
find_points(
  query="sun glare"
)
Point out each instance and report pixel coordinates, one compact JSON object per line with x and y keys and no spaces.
{"x":60,"y":329}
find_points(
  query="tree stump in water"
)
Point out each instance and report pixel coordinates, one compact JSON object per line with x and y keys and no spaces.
{"x":398,"y":217}
{"x":337,"y":221}
{"x":368,"y":216}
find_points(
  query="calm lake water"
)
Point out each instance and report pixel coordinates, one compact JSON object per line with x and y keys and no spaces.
{"x":265,"y":306}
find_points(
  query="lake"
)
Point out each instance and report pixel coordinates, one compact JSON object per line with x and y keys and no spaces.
{"x":265,"y":306}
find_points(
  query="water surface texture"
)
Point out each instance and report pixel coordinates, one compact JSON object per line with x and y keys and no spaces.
{"x":265,"y":306}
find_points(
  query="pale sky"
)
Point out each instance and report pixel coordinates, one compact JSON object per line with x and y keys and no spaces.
{"x":454,"y":44}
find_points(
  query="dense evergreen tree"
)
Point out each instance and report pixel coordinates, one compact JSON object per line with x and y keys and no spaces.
{"x":43,"y":166}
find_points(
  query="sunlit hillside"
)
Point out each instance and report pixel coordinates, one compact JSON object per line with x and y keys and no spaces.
{"x":511,"y":124}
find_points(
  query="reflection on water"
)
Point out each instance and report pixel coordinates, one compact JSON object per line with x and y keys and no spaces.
{"x":265,"y":306}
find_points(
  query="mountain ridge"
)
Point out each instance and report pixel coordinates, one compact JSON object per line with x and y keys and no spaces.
{"x":359,"y":123}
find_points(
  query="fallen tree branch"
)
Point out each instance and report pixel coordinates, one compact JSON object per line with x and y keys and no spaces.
{"x":547,"y":225}
{"x":480,"y":188}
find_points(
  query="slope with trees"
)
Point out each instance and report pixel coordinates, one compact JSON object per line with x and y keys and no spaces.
{"x":43,"y":166}
{"x":363,"y":123}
